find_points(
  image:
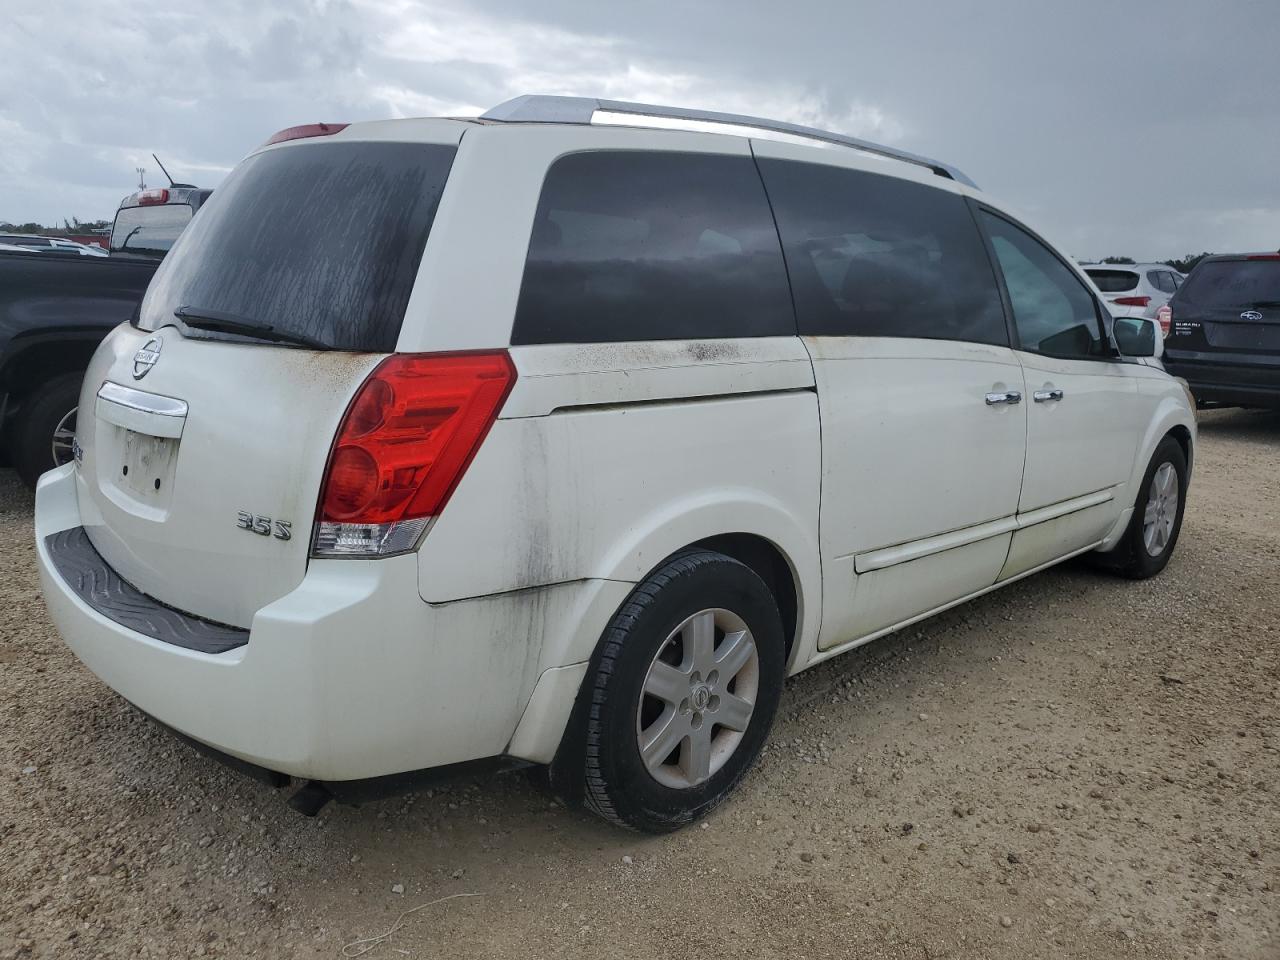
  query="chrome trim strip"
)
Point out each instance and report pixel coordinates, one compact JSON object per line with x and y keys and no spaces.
{"x":916,"y":549}
{"x":549,"y":109}
{"x":144,"y":402}
{"x":1061,"y":509}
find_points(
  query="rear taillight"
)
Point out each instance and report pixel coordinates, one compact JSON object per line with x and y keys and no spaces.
{"x":152,"y":197}
{"x":1132,"y":301}
{"x":1164,"y":317}
{"x":403,"y":445}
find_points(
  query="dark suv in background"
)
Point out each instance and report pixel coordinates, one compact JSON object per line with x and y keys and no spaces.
{"x":55,"y":310}
{"x":1224,"y":338}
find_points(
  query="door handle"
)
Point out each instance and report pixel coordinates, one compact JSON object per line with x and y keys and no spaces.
{"x":1007,"y":396}
{"x":1042,"y":395}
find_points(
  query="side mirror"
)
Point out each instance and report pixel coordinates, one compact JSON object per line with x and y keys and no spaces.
{"x":1138,"y":337}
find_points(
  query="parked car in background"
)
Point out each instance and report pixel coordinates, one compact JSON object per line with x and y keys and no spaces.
{"x":1225,"y":333}
{"x":564,"y":442}
{"x":37,"y":243}
{"x":1135,"y":288}
{"x":55,"y":307}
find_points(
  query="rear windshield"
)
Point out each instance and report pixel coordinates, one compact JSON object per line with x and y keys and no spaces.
{"x":319,"y":240}
{"x":1233,"y":283}
{"x":149,"y":230}
{"x":1113,"y":281}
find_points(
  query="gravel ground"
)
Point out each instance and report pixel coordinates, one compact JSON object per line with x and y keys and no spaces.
{"x":1075,"y":766}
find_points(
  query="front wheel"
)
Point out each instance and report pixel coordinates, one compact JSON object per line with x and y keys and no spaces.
{"x":1152,"y":534}
{"x":681,"y":694}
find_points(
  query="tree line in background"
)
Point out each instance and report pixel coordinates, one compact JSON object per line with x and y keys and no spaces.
{"x":1181,"y":264}
{"x":74,"y":226}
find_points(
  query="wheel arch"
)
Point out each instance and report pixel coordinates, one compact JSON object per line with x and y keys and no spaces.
{"x":779,"y":545}
{"x":32,"y":361}
{"x":1182,"y":434}
{"x":771,"y":565}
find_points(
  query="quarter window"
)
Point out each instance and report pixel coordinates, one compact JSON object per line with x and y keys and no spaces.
{"x":646,"y":245}
{"x":877,"y":256}
{"x":1053,"y":311}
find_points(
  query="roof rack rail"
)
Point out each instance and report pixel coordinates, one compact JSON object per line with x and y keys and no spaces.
{"x":550,"y":109}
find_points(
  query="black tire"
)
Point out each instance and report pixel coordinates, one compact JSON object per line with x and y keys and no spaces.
{"x":604,"y":757}
{"x":40,"y":415}
{"x":1131,"y":558}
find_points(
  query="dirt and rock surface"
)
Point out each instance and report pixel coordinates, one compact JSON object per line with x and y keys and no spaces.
{"x":1073,"y":767}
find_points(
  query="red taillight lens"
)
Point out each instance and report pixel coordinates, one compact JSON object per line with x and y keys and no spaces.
{"x":1164,"y":317}
{"x":305,"y":130}
{"x":352,"y":484}
{"x":1132,"y":301}
{"x":403,"y":445}
{"x":149,"y":198}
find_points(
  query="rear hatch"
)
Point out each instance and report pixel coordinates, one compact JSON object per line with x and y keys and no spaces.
{"x":215,"y":413}
{"x":1229,"y":306}
{"x":1121,"y":288}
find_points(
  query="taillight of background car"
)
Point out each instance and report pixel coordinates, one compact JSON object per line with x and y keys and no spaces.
{"x":403,"y":445}
{"x":1132,"y":301}
{"x":1164,"y":317}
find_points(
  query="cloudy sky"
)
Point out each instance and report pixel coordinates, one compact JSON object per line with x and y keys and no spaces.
{"x":1149,"y":127}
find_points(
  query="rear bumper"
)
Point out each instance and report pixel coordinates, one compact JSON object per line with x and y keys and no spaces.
{"x":1249,"y":383}
{"x":352,"y":676}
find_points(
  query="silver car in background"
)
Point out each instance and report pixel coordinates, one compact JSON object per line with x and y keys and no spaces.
{"x":1138,"y":288}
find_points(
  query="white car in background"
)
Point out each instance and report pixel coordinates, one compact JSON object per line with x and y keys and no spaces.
{"x":1135,"y":289}
{"x":563,"y":441}
{"x":36,"y":243}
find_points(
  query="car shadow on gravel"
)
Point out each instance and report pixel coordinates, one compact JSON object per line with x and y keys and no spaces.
{"x":1240,"y":424}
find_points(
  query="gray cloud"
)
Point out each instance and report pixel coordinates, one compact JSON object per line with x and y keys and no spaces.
{"x":1147,"y":128}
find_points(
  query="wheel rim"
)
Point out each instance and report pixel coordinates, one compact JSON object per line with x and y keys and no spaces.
{"x":64,"y":435}
{"x":1162,"y":510}
{"x":698,"y":697}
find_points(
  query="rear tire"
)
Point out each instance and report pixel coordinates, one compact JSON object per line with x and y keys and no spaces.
{"x":680,"y":695}
{"x":1149,"y":540}
{"x":44,"y":412}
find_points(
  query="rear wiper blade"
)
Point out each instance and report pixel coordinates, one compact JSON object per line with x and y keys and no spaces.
{"x":202,"y":319}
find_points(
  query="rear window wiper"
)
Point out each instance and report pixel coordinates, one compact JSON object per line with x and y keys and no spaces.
{"x":202,"y":319}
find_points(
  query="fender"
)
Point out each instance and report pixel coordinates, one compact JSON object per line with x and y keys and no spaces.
{"x":68,"y":349}
{"x":1172,"y":410}
{"x":706,"y":514}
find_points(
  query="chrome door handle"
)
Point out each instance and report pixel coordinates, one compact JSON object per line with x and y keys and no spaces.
{"x":1008,"y":396}
{"x":1042,"y":395}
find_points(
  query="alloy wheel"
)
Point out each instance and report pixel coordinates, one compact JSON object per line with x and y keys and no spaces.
{"x":698,"y":697}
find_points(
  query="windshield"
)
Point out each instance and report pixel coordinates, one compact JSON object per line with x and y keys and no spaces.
{"x":319,"y":241}
{"x":1113,"y":281}
{"x":1233,"y":283}
{"x":149,"y":229}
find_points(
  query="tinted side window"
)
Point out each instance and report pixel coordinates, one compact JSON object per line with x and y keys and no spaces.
{"x":647,"y":245}
{"x":876,"y":256}
{"x":1053,"y":311}
{"x":1161,"y":280}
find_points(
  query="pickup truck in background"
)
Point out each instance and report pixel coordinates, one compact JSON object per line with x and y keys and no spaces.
{"x":56,"y":307}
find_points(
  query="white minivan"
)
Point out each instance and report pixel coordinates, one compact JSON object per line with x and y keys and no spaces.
{"x":562,"y":435}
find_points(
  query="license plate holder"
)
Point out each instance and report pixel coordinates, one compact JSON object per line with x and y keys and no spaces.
{"x":146,"y":465}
